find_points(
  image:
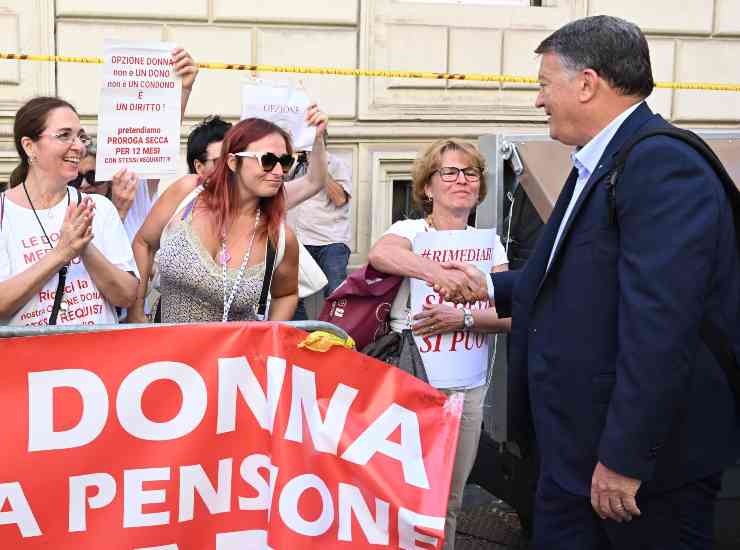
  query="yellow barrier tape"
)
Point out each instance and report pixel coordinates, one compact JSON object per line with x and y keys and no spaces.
{"x":320,"y":340}
{"x":474,"y":77}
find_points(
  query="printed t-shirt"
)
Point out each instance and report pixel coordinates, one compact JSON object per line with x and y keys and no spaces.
{"x":22,"y":244}
{"x":408,"y":229}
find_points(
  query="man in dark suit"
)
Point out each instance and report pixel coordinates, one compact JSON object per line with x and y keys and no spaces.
{"x":634,"y":419}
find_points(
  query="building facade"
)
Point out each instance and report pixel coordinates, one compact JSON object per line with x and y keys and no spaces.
{"x":377,"y":124}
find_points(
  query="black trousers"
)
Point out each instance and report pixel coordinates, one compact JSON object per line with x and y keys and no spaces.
{"x":678,"y":519}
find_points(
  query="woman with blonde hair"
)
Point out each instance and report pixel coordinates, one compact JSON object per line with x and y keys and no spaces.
{"x":449,"y":181}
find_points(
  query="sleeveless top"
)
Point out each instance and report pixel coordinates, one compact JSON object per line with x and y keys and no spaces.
{"x":191,"y":280}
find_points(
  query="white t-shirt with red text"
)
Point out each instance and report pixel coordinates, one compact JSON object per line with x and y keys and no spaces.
{"x":400,"y":318}
{"x":22,"y":244}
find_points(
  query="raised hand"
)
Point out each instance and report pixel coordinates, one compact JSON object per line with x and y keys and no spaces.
{"x":185,"y":67}
{"x":123,"y":190}
{"x":76,"y":231}
{"x":317,"y":117}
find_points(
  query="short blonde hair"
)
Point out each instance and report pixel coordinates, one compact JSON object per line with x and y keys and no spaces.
{"x":431,"y":160}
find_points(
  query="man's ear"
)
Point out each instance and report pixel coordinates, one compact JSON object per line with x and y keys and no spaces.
{"x":589,"y":84}
{"x":199,"y":167}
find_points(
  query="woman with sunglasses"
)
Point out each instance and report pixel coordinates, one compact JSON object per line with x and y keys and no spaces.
{"x":212,"y":257}
{"x":63,"y":258}
{"x":448,"y":183}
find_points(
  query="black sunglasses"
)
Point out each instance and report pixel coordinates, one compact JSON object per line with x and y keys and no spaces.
{"x":269,"y":160}
{"x":88,"y":176}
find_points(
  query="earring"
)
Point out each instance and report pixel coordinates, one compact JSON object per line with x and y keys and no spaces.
{"x":428,"y":199}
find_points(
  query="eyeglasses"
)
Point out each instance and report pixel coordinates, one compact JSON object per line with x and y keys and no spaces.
{"x":88,"y":176}
{"x":451,"y":173}
{"x":68,"y":137}
{"x":269,"y":160}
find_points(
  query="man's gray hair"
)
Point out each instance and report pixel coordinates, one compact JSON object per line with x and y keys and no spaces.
{"x":616,"y":49}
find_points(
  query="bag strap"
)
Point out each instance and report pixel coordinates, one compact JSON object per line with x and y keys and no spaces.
{"x":267,"y":281}
{"x":701,"y":147}
{"x":714,"y":338}
{"x":58,"y":296}
{"x":188,"y":208}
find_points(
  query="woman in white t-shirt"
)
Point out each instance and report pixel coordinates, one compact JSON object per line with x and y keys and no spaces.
{"x":49,"y":232}
{"x":448,"y":183}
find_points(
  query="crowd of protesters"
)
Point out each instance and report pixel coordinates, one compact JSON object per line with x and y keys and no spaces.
{"x":206,"y":248}
{"x":222,"y":241}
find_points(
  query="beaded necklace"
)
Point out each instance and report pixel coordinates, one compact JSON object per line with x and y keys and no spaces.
{"x":225,"y":257}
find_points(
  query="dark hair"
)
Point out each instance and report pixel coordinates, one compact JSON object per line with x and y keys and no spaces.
{"x":30,"y":121}
{"x":616,"y":49}
{"x":220,"y":189}
{"x":210,"y":130}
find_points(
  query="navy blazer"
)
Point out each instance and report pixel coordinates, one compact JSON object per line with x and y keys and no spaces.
{"x":606,"y":362}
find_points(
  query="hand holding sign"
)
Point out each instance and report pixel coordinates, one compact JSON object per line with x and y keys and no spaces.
{"x":285,"y":105}
{"x":185,"y":67}
{"x":317,"y":117}
{"x":140,"y":107}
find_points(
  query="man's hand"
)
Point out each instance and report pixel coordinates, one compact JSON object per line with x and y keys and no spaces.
{"x":463,"y":283}
{"x":613,"y":495}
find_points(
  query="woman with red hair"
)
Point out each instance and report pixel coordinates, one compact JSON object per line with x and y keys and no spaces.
{"x":215,"y":232}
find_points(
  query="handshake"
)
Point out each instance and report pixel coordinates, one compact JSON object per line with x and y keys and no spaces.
{"x":460,"y":283}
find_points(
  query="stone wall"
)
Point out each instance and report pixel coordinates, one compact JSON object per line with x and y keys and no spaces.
{"x":377,"y":124}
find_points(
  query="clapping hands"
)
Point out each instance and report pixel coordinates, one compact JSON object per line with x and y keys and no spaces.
{"x":76,"y":231}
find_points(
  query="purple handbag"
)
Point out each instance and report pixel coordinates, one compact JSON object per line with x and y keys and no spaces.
{"x":361,"y":305}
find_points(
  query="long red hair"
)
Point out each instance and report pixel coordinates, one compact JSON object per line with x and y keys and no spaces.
{"x":220,"y":192}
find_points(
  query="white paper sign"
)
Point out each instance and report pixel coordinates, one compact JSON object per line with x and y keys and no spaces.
{"x":458,"y":359}
{"x":139,"y":113}
{"x":280,"y":103}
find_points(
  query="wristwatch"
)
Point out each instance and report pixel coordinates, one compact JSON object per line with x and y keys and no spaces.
{"x":468,"y":320}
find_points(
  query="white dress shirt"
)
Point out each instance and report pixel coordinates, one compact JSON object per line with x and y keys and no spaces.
{"x":585,"y":161}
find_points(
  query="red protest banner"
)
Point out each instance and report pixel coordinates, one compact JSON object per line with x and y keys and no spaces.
{"x":217,"y":437}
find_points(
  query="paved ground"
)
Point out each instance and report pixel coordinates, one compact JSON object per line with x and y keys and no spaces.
{"x":487,"y":523}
